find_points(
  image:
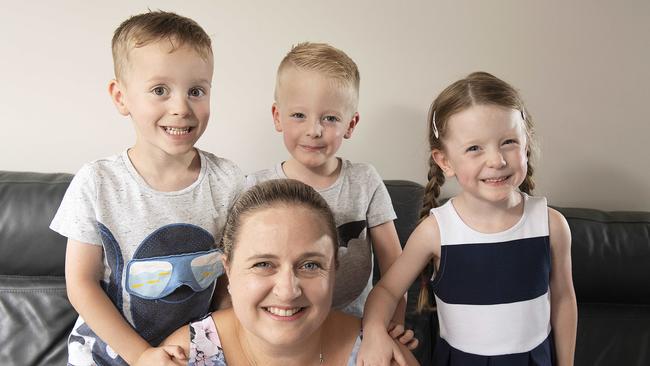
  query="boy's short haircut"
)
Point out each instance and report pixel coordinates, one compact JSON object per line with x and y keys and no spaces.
{"x":143,"y":29}
{"x":324,"y":59}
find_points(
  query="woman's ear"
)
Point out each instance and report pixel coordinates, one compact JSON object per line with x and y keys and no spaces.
{"x":442,"y":160}
{"x":226,"y":264}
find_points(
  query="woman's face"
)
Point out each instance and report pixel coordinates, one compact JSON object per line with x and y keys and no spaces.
{"x":282,"y":273}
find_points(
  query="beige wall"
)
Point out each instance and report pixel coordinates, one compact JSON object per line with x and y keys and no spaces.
{"x":582,"y":66}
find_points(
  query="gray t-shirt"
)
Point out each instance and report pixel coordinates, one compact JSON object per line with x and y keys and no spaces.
{"x":360,"y":201}
{"x":109,"y":204}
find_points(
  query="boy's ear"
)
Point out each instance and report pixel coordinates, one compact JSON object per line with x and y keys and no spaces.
{"x":441,"y":159}
{"x":352,"y":125}
{"x":117,"y":95}
{"x":275,"y":111}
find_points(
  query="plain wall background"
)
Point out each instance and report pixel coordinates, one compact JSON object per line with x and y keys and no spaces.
{"x":583,"y":68}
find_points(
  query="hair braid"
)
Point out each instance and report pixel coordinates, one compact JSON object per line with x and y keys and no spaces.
{"x":528,"y":184}
{"x":430,"y":200}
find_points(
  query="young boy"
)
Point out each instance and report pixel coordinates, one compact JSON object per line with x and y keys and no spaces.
{"x":315,"y":108}
{"x":142,"y":225}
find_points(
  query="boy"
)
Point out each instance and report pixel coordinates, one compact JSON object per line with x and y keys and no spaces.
{"x":315,"y":108}
{"x":142,"y":225}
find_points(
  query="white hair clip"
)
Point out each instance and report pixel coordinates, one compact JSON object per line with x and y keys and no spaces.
{"x":433,"y":125}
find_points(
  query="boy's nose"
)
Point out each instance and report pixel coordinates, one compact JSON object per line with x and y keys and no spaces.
{"x":314,"y":129}
{"x":287,"y":286}
{"x":179,"y":106}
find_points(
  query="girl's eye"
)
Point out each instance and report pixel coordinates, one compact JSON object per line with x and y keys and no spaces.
{"x":159,"y":91}
{"x":331,"y":119}
{"x":473,"y":148}
{"x":196,"y":92}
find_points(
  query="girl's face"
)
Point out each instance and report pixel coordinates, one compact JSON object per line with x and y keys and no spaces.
{"x":485,"y":149}
{"x":282,"y":274}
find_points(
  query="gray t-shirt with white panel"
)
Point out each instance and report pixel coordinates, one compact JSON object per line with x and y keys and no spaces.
{"x":109,"y":204}
{"x":360,"y":201}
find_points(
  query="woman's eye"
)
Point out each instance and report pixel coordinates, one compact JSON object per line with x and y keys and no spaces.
{"x":297,"y":115}
{"x":196,"y":92}
{"x":311,"y":266}
{"x":159,"y":91}
{"x":331,"y":119}
{"x":473,"y":148}
{"x":262,"y":265}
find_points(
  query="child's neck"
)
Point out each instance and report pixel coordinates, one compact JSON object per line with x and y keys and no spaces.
{"x":322,"y":177}
{"x":489,"y":217}
{"x":166,"y":173}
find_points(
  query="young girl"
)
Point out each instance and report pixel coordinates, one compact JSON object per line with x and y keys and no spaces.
{"x":502,"y":257}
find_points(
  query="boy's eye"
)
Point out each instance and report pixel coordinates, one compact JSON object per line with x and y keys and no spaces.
{"x":297,"y":115}
{"x":473,"y":148}
{"x":159,"y":91}
{"x":510,"y":141}
{"x":196,"y":92}
{"x":331,"y":119}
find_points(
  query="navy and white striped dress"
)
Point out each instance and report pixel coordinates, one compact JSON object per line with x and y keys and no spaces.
{"x":492,"y":290}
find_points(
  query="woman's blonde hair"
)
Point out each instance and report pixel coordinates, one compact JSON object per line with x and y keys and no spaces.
{"x":274,"y":193}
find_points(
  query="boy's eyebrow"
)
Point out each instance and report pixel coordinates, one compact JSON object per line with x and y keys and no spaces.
{"x":194,"y":81}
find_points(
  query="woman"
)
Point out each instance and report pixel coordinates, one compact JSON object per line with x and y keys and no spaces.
{"x":280,"y":246}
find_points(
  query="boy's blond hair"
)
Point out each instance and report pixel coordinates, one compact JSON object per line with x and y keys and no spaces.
{"x":142,"y":29}
{"x":324,"y":59}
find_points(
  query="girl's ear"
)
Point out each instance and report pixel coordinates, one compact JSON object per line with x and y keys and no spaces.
{"x":352,"y":125}
{"x":275,"y":111}
{"x":441,"y":159}
{"x":115,"y":89}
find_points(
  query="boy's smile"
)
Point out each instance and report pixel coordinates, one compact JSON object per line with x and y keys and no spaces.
{"x":314,"y":114}
{"x":167,"y":94}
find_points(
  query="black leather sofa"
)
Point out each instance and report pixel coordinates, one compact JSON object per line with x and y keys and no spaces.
{"x":611,"y":268}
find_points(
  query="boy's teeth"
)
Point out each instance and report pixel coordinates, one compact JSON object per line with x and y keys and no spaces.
{"x":282,"y":312}
{"x":177,"y":131}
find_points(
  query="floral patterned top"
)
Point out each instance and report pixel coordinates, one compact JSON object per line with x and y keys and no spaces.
{"x":206,"y":350}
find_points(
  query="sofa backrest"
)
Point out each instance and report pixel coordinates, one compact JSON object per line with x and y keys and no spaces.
{"x":35,"y":315}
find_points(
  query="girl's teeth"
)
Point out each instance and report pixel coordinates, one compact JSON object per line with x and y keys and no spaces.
{"x":282,"y":312}
{"x":495,"y":180}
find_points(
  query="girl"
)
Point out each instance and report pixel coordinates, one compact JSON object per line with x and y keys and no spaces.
{"x":502,"y":257}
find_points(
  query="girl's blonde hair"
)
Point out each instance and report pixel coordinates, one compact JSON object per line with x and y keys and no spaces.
{"x":277,"y":193}
{"x":478,"y":88}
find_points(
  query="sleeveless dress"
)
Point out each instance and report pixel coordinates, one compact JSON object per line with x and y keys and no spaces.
{"x":206,"y":350}
{"x":492,"y":291}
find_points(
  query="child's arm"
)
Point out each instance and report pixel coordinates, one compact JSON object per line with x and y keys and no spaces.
{"x":385,"y":244}
{"x":82,"y":272}
{"x":564,"y":311}
{"x":377,"y":347}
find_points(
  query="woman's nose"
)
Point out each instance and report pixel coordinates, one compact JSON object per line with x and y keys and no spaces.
{"x":287,"y":286}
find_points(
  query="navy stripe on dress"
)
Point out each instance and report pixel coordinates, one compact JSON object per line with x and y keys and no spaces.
{"x":494,"y":273}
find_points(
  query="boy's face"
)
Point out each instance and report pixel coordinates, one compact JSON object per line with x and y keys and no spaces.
{"x":314,"y":114}
{"x":167,"y":96}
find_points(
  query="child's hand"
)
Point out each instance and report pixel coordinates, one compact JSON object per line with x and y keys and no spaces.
{"x":379,"y":350}
{"x":403,"y":336}
{"x":164,"y":355}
